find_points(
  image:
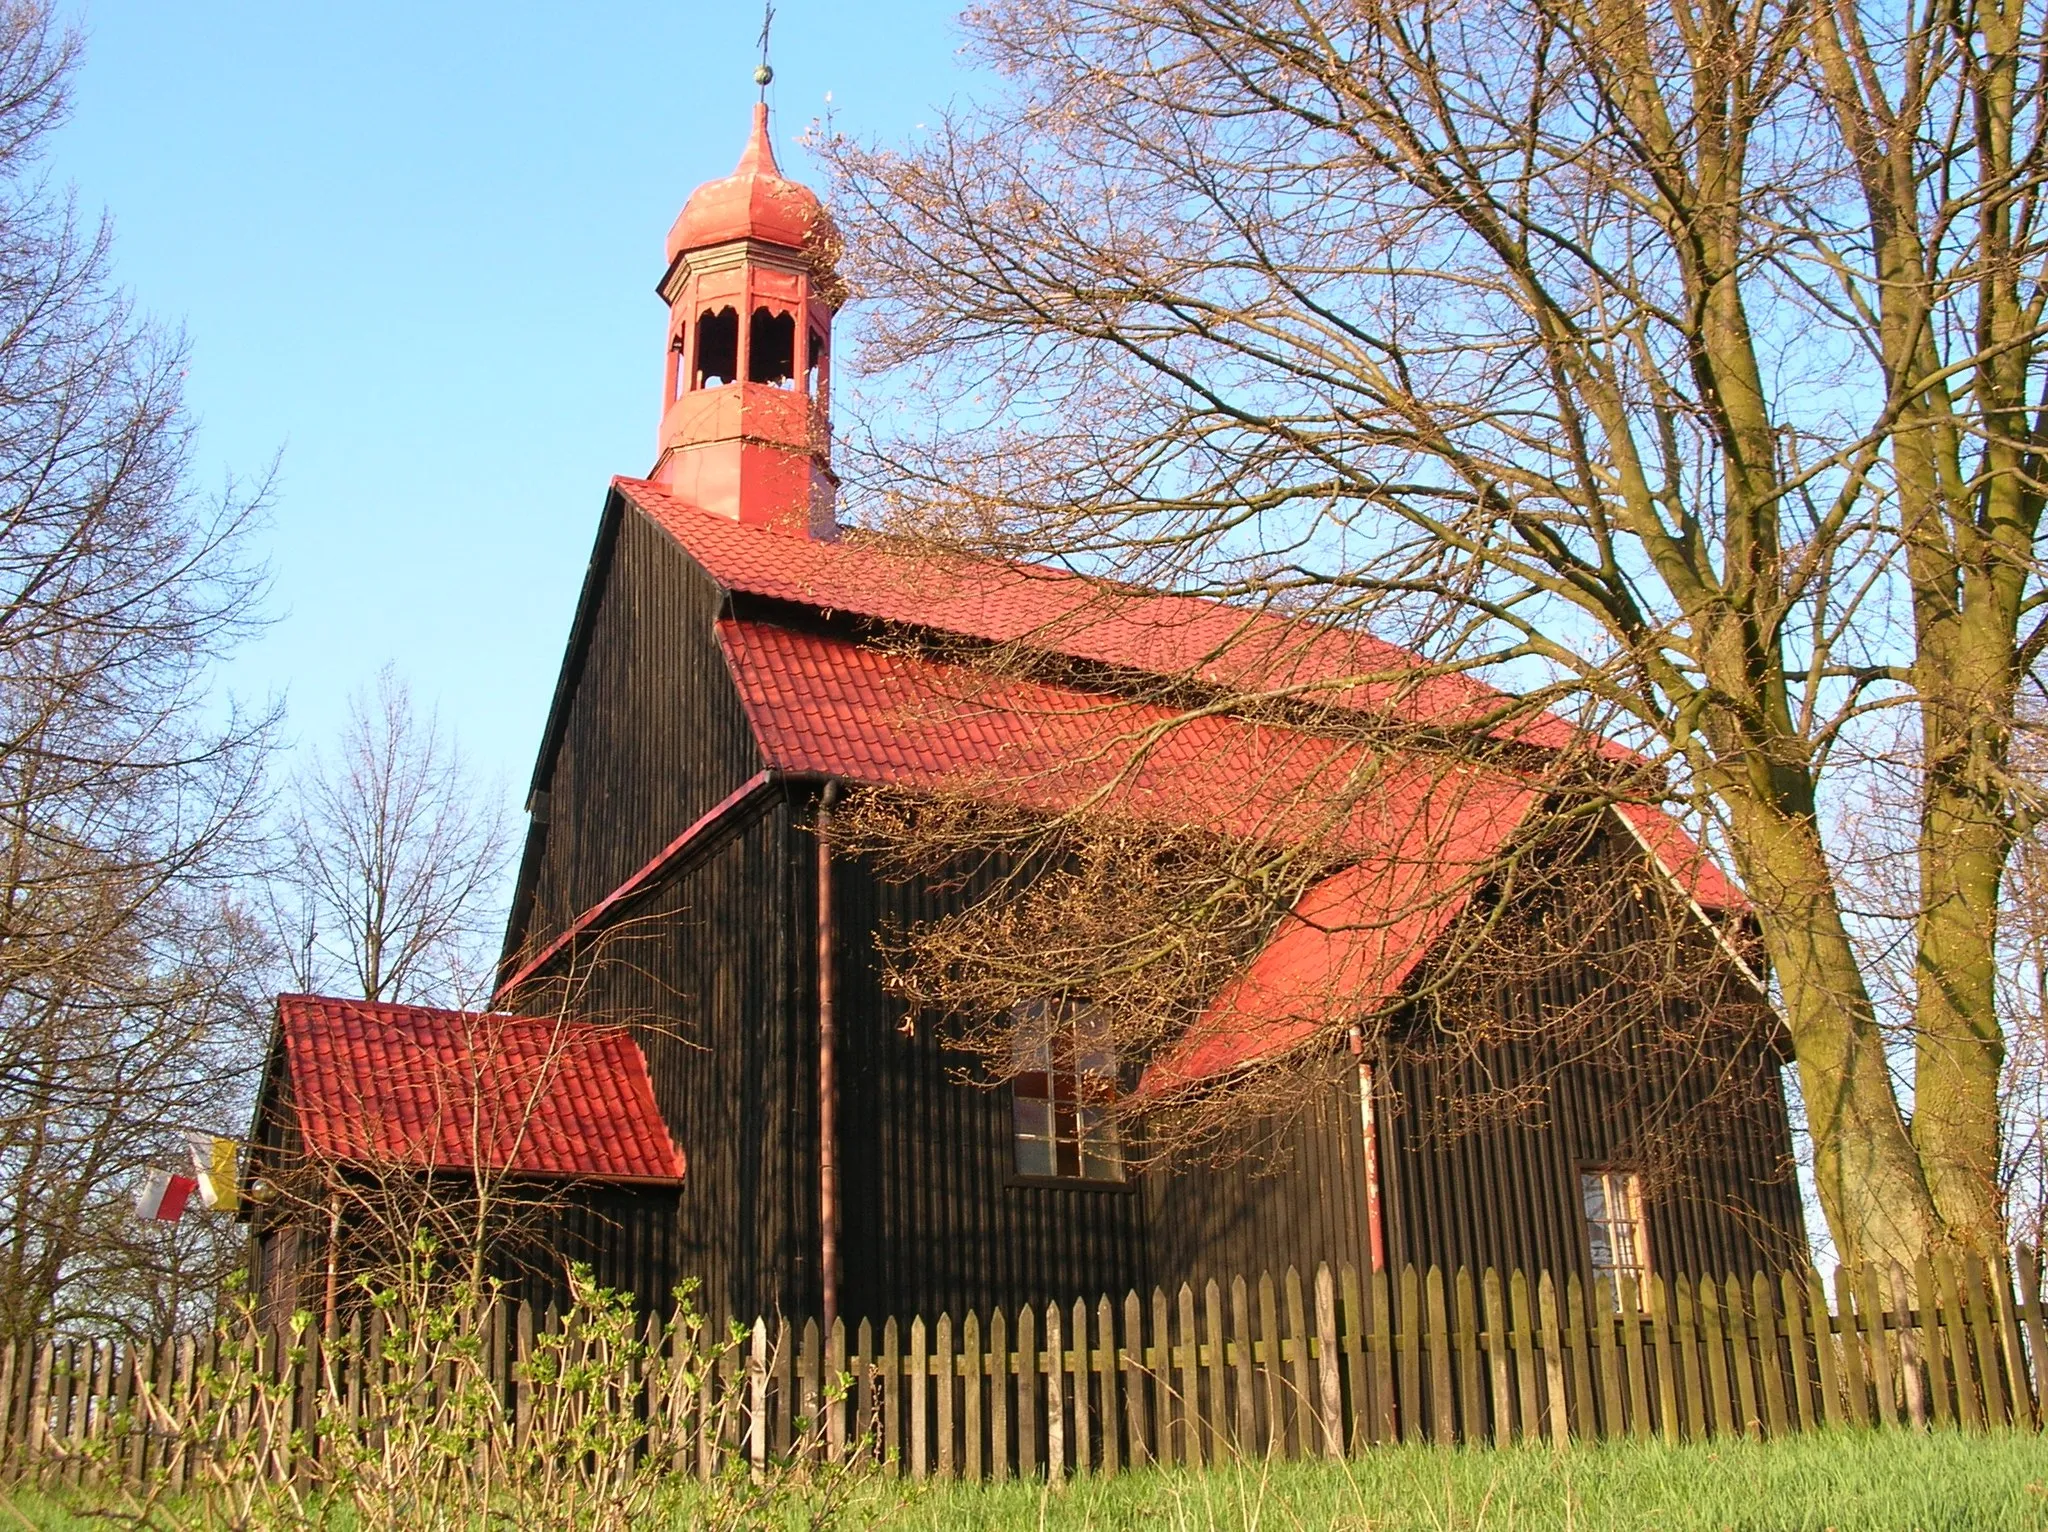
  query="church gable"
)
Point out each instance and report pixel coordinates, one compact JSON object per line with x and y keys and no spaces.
{"x":645,"y":735}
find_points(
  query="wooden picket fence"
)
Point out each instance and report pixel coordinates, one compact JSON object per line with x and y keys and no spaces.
{"x":1324,"y":1367}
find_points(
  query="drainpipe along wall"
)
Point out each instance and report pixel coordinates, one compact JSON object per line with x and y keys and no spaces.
{"x":828,"y":1071}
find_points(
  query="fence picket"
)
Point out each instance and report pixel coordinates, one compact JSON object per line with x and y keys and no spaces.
{"x":1956,"y":1342}
{"x":1553,"y":1361}
{"x":1082,"y":1373}
{"x":1331,"y":1404}
{"x":1027,"y":1393}
{"x":1770,"y":1358}
{"x":999,"y":1395}
{"x":1168,"y":1414}
{"x":2028,"y":1260}
{"x":1055,"y":1395}
{"x":1138,"y":1430}
{"x":1189,"y":1353}
{"x":1437,"y":1343}
{"x":918,"y":1379}
{"x":2013,"y":1349}
{"x":1390,"y":1423}
{"x":1297,"y":1340}
{"x":945,"y":1378}
{"x":1497,"y":1357}
{"x":1111,"y":1412}
{"x":1531,"y":1417}
{"x":1241,"y":1366}
{"x":1465,"y":1341}
{"x":1465,"y":1356}
{"x":1977,"y":1298}
{"x":1352,"y":1337}
{"x":1575,"y":1349}
{"x":1600,"y":1316}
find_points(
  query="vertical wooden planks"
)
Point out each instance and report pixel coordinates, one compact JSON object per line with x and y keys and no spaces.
{"x":1269,"y":1361}
{"x":1666,"y":1365}
{"x":1984,"y":1342}
{"x":1169,"y":1415}
{"x":1911,"y":1378}
{"x":2028,"y":1260}
{"x":892,"y":1396}
{"x":1749,"y":1417}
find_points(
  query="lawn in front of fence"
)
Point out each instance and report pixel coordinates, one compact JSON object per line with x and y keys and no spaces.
{"x":1822,"y":1481}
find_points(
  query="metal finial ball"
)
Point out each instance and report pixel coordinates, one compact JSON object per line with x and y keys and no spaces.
{"x":764,"y":75}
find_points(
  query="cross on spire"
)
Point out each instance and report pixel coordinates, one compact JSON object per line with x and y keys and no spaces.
{"x":765,"y":72}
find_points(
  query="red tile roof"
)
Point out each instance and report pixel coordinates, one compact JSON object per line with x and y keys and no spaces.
{"x":1681,"y":858}
{"x":827,"y":704}
{"x":1352,"y":941}
{"x":1003,"y":601}
{"x":410,"y":1086}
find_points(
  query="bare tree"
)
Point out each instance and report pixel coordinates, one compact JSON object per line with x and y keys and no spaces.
{"x":1680,"y":365}
{"x":396,"y":856}
{"x":128,"y":787}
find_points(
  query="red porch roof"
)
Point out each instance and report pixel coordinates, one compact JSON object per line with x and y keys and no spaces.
{"x":419,"y":1088}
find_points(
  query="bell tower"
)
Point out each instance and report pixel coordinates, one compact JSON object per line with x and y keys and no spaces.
{"x":745,"y":417}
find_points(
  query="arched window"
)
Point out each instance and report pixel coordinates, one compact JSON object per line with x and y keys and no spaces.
{"x":718,"y":346}
{"x":771,"y":350}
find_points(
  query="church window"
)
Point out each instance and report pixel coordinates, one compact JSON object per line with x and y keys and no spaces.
{"x":1063,"y":1086}
{"x":1618,"y":1233}
{"x":718,"y":346}
{"x":771,"y":350}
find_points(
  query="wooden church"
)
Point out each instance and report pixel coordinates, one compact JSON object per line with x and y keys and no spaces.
{"x":738,"y":1098}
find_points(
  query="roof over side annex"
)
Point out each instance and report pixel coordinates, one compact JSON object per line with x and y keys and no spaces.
{"x":406,"y":1086}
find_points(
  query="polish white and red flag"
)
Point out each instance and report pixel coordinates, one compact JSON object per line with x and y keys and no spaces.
{"x":163,"y":1195}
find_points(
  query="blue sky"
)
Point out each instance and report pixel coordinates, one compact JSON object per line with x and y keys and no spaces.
{"x":414,"y":248}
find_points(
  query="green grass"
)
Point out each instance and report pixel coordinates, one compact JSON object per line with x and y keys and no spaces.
{"x":1844,"y":1481}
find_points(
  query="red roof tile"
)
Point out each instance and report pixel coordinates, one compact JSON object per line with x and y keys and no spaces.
{"x":410,"y":1086}
{"x":1062,"y":612}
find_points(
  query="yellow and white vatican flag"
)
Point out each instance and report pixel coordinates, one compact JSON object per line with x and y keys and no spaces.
{"x":216,"y":1166}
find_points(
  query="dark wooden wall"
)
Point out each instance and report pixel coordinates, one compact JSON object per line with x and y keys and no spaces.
{"x":717,"y":974}
{"x":1699,"y":1108}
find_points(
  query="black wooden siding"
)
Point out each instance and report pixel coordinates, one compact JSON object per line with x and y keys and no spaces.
{"x":717,"y":973}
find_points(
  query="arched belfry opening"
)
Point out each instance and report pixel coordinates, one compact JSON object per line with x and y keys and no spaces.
{"x":771,"y":348}
{"x":718,"y":347}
